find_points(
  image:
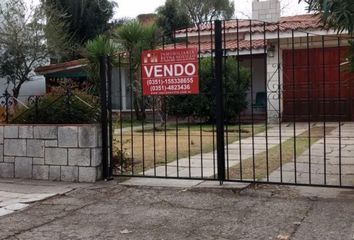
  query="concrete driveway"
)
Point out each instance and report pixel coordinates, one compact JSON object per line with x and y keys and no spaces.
{"x":329,"y":161}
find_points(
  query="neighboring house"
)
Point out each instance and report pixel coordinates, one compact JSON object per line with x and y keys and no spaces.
{"x":56,"y":74}
{"x":76,"y":71}
{"x":36,"y":85}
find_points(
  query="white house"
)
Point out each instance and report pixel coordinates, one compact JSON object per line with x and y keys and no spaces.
{"x":296,"y":63}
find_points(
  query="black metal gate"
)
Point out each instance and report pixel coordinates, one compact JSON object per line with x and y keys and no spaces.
{"x":275,"y":106}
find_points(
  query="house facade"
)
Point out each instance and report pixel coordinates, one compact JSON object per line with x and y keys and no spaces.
{"x":297,"y":65}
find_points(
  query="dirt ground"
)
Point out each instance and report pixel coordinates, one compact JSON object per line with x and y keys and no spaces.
{"x":112,"y":211}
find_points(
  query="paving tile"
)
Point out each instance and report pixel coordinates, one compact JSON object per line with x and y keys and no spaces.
{"x":319,"y":159}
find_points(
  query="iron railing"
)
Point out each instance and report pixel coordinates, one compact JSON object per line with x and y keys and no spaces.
{"x":75,"y":106}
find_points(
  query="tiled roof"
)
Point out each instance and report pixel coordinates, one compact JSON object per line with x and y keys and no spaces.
{"x":299,"y":22}
{"x":61,"y":66}
{"x":205,"y":47}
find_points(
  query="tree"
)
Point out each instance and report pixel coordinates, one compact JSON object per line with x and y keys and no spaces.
{"x":236,"y":82}
{"x":99,"y":47}
{"x":336,"y":14}
{"x":86,"y":19}
{"x":207,"y":10}
{"x":59,"y":40}
{"x":176,"y":14}
{"x":171,"y":17}
{"x":22,"y":43}
{"x":351,"y":56}
{"x":134,"y":38}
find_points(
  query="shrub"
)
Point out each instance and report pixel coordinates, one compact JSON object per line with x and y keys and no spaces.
{"x":236,"y":84}
{"x":71,"y":108}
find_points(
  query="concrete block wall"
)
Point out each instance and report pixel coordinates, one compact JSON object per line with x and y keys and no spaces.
{"x":266,"y":10}
{"x":51,"y":152}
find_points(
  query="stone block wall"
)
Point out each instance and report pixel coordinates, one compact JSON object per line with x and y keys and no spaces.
{"x":51,"y":152}
{"x":266,"y":10}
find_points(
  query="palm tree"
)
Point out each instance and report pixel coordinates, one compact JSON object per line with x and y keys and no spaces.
{"x":134,"y":38}
{"x":337,"y":14}
{"x":94,"y":49}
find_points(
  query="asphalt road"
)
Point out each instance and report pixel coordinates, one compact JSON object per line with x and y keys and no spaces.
{"x":113,"y":211}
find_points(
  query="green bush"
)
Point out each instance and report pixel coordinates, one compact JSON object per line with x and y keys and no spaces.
{"x":75,"y":108}
{"x":236,"y":84}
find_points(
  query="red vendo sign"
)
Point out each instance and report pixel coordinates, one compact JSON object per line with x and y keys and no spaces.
{"x":170,"y":72}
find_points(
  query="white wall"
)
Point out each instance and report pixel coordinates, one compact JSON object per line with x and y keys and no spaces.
{"x":36,"y":86}
{"x":275,"y":86}
{"x":258,"y":79}
{"x":121,"y":83}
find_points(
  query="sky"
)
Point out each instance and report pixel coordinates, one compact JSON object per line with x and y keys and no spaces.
{"x":132,"y":8}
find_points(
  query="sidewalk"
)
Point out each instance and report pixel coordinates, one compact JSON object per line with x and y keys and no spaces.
{"x":113,"y":211}
{"x":16,"y":195}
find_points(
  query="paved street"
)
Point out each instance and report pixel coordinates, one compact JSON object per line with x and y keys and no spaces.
{"x":113,"y":211}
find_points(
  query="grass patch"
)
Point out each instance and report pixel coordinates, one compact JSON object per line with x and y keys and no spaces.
{"x":127,"y":124}
{"x":303,"y":143}
{"x":154,"y":147}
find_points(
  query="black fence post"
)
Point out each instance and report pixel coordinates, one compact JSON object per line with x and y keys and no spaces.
{"x":7,"y":96}
{"x":68,"y":98}
{"x":36,"y":109}
{"x":220,"y":142}
{"x":104,"y":119}
{"x":110,"y":116}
